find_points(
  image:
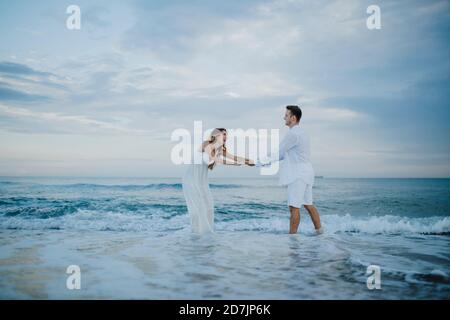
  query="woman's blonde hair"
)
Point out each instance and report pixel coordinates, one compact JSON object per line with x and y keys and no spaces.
{"x":218,"y":151}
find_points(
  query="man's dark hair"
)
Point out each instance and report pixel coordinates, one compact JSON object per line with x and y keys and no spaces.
{"x":295,"y":111}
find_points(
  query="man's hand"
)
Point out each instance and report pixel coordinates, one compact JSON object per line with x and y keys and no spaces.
{"x":263,"y":163}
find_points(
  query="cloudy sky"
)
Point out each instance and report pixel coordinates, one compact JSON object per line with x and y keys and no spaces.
{"x":104,"y":100}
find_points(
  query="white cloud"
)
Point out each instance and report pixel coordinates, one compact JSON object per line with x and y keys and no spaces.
{"x":230,"y":70}
{"x":333,"y":114}
{"x":68,"y":121}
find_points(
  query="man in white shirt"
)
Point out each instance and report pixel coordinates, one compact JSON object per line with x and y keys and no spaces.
{"x":296,"y":170}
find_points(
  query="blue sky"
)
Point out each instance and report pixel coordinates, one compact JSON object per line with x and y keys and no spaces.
{"x":103,"y":100}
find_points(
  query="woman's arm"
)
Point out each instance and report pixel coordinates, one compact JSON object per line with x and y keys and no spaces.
{"x":225,"y":161}
{"x":238,"y":159}
{"x":220,"y":158}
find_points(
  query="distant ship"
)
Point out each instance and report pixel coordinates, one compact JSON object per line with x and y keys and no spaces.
{"x":319,"y":177}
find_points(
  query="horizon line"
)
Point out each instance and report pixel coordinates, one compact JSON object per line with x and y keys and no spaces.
{"x":231,"y":177}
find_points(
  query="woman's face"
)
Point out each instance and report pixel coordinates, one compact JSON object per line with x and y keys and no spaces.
{"x":220,"y":139}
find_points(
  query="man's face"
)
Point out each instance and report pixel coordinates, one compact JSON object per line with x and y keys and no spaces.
{"x":288,"y":118}
{"x":224,"y":136}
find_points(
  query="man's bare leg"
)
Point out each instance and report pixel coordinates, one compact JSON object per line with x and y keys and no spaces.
{"x":314,"y":214}
{"x":295,"y":219}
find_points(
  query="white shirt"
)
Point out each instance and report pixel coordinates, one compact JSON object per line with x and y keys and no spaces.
{"x":294,"y":155}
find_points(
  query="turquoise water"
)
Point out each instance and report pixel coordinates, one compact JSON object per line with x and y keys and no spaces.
{"x":402,"y":225}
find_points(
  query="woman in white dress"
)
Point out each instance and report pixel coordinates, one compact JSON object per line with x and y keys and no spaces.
{"x":196,"y":190}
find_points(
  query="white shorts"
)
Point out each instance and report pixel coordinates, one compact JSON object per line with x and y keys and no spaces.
{"x":299,"y":193}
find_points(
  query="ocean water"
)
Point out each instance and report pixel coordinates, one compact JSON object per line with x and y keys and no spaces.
{"x":131,"y":238}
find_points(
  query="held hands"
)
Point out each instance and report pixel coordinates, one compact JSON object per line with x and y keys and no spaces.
{"x":249,"y":162}
{"x":252,"y":163}
{"x":262,"y":163}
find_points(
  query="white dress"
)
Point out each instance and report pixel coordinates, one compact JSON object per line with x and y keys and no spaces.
{"x":198,"y":196}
